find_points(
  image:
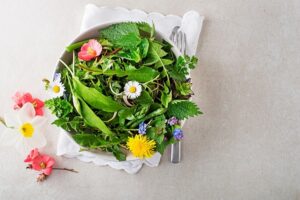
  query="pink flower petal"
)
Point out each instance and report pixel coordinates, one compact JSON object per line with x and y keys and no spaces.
{"x":83,"y":55}
{"x":47,"y":171}
{"x":96,"y":46}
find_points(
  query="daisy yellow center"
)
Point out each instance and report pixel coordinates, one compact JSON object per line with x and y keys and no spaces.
{"x":140,"y":146}
{"x":56,"y":89}
{"x":91,"y":52}
{"x":42,"y":165}
{"x":132,"y":89}
{"x":27,"y":130}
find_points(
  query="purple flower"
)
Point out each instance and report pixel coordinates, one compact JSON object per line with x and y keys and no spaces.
{"x":172,"y":121}
{"x":142,"y":128}
{"x":178,"y":134}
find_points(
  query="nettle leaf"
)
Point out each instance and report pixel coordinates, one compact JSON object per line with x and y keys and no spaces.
{"x":59,"y":107}
{"x":125,"y":35}
{"x":142,"y":74}
{"x":128,"y":41}
{"x":183,"y":109}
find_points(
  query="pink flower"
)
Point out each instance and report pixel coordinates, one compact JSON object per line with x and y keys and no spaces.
{"x":90,"y":50}
{"x":21,"y":99}
{"x":43,"y":163}
{"x":34,"y":153}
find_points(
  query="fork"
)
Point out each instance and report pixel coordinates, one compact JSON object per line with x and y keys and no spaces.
{"x":179,"y":39}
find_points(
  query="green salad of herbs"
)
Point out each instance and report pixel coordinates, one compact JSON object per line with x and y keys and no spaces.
{"x":125,"y":91}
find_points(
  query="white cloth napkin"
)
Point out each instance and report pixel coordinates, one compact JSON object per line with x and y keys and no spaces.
{"x":190,"y":24}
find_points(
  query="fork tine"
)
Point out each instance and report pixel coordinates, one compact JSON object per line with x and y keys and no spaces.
{"x":184,"y":43}
{"x":178,"y":39}
{"x":174,"y":31}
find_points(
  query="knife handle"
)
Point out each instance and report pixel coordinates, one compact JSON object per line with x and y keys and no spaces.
{"x":176,"y":152}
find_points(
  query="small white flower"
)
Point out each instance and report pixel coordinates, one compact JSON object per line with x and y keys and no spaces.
{"x":132,"y":89}
{"x":56,"y":88}
{"x":24,"y":130}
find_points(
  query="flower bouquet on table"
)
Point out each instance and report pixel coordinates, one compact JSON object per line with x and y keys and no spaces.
{"x":124,"y":91}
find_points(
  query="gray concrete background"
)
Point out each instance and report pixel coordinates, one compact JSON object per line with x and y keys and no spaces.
{"x":247,"y":144}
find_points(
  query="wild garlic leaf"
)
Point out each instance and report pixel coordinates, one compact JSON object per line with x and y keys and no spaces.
{"x":95,"y":98}
{"x":142,"y":74}
{"x":90,"y":117}
{"x":183,"y":109}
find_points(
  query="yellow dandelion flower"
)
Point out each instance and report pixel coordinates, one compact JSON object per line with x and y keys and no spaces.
{"x":140,"y":146}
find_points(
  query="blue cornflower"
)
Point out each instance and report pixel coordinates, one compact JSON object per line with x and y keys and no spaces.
{"x":178,"y":134}
{"x":142,"y":128}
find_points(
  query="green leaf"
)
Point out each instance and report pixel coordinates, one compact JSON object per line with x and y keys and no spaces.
{"x":90,"y":117}
{"x":164,"y":62}
{"x":133,"y":55}
{"x":118,"y":153}
{"x":155,"y":54}
{"x":181,"y":69}
{"x":183,"y":109}
{"x":94,"y":98}
{"x":184,"y":88}
{"x":90,"y":140}
{"x":166,"y":98}
{"x":69,"y":124}
{"x":142,"y":74}
{"x":144,"y":99}
{"x":144,"y":47}
{"x":128,"y":41}
{"x":59,"y":107}
{"x":125,"y":34}
{"x":145,"y":28}
{"x":75,"y":46}
{"x":162,"y":146}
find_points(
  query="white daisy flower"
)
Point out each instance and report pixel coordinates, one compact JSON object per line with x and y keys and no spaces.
{"x":56,"y":88}
{"x":24,"y":130}
{"x":132,"y":89}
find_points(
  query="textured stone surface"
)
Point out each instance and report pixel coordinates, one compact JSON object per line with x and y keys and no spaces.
{"x":246,"y":146}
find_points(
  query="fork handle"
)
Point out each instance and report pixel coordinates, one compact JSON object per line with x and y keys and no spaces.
{"x":176,"y":152}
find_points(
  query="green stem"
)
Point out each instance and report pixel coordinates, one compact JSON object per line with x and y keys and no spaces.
{"x":76,"y":45}
{"x":68,"y":68}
